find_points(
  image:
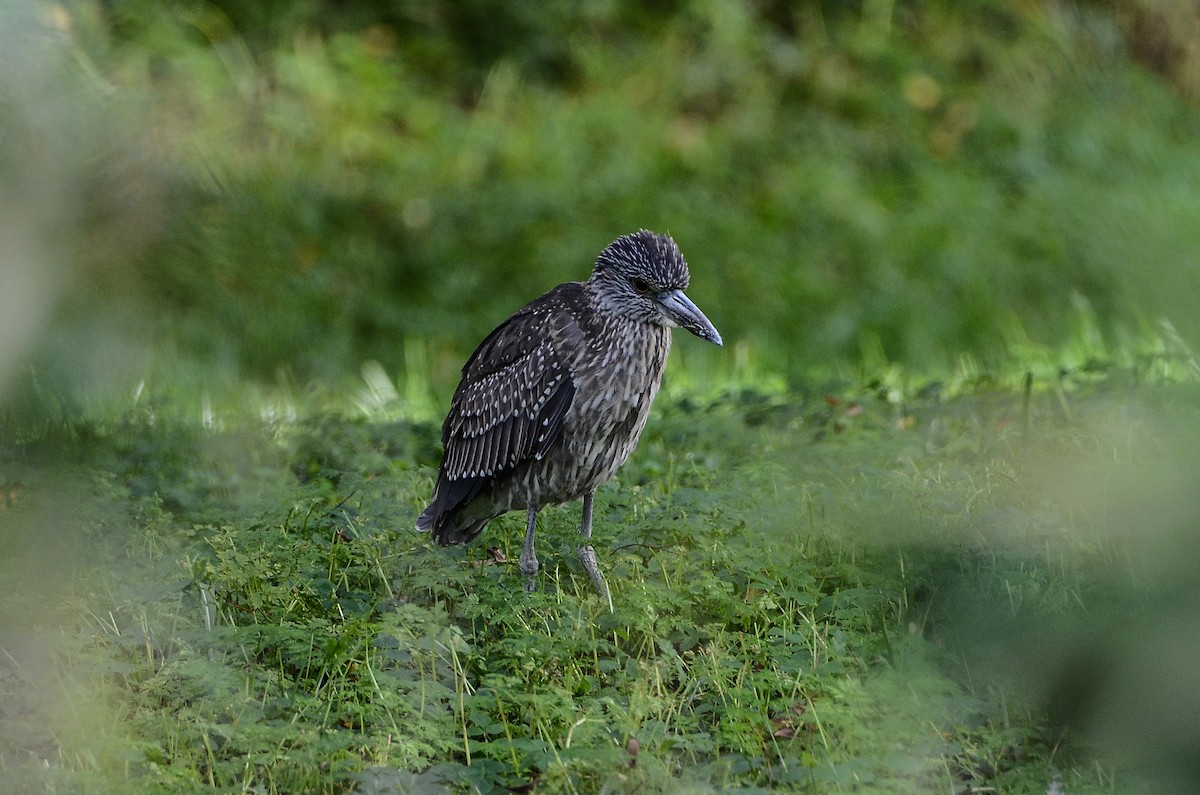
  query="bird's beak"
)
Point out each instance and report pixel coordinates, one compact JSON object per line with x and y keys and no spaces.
{"x":679,"y":310}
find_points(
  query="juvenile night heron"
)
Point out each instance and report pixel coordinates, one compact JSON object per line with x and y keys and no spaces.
{"x":553,"y":401}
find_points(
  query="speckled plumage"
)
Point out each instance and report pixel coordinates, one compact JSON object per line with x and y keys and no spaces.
{"x":554,"y":400}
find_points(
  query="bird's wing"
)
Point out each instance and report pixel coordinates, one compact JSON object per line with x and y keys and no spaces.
{"x":515,"y":392}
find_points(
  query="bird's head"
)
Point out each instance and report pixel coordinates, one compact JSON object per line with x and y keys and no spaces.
{"x":642,"y":276}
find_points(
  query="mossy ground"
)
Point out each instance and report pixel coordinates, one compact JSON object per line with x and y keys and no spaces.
{"x":856,"y":588}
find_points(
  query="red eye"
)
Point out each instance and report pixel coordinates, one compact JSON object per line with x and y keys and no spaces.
{"x":640,"y":285}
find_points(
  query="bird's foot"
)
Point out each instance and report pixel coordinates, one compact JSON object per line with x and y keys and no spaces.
{"x":588,"y":556}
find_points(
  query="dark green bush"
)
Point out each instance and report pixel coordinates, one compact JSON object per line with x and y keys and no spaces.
{"x":348,"y":176}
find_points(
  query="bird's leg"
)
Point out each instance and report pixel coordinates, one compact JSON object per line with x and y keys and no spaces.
{"x":529,"y":561}
{"x":588,"y":555}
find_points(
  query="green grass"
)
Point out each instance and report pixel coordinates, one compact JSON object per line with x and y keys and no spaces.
{"x":853,"y":588}
{"x":970,"y":573}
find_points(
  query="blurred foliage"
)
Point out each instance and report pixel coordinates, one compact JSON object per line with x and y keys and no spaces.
{"x":922,"y":178}
{"x":871,"y":590}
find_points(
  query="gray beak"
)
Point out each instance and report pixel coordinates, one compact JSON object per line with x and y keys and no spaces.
{"x":679,"y":310}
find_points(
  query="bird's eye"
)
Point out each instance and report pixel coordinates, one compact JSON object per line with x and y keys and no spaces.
{"x":640,"y":285}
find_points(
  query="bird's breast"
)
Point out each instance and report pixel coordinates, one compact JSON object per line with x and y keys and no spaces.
{"x":614,"y":390}
{"x":623,"y":372}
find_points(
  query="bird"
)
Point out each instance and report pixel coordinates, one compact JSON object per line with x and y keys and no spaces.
{"x":553,"y":401}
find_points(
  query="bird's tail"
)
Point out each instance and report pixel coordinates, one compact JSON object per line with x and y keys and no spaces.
{"x":451,"y":527}
{"x":425,"y":521}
